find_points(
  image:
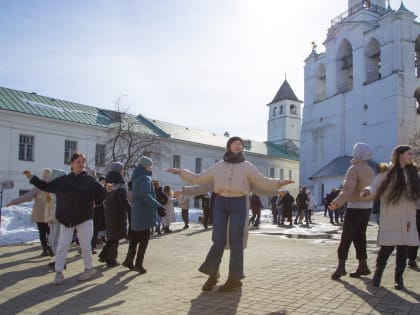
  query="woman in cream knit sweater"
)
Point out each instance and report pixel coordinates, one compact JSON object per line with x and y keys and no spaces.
{"x":232,"y":179}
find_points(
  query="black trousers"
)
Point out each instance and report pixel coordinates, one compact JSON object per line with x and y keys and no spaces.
{"x":185,"y":216}
{"x":206,"y":217}
{"x":255,"y":219}
{"x":110,"y":251}
{"x":412,"y":250}
{"x":43,"y":230}
{"x":287,"y":214}
{"x":401,"y":258}
{"x":354,"y":231}
{"x":140,"y":239}
{"x":333,"y":216}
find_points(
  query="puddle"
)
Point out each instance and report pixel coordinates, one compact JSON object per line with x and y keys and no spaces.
{"x":326,"y":235}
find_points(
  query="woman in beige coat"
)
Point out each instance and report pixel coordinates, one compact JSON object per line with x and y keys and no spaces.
{"x":38,"y":214}
{"x":398,"y":190}
{"x":232,"y":179}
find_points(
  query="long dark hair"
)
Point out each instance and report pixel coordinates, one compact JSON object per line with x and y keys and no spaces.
{"x":395,"y":181}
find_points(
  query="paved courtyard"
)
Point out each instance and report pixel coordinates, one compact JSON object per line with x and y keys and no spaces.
{"x":286,"y":273}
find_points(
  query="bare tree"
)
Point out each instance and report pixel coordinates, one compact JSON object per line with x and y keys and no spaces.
{"x":131,"y":137}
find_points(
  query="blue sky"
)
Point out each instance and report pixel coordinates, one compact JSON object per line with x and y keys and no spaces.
{"x":208,"y":64}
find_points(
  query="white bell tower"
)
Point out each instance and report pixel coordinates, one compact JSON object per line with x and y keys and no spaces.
{"x":285,"y":118}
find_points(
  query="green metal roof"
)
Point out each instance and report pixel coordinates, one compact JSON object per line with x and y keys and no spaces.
{"x":48,"y":107}
{"x":208,"y":138}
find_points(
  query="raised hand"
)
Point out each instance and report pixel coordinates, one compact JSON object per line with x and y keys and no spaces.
{"x":173,"y":170}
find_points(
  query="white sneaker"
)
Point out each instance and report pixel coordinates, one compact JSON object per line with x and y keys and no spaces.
{"x":86,"y":275}
{"x":59,"y":278}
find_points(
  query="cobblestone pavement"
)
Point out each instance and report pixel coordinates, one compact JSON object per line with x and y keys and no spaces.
{"x":285,"y":274}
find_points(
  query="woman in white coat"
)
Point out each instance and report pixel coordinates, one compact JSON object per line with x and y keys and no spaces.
{"x":398,"y":190}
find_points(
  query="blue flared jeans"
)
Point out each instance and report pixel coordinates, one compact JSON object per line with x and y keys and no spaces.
{"x":232,"y":212}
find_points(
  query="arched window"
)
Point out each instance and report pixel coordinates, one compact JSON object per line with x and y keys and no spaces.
{"x":373,"y":61}
{"x":274,"y":111}
{"x":417,"y":97}
{"x":344,"y":66}
{"x":321,"y":83}
{"x":293,"y":110}
{"x":417,"y":57}
{"x":281,"y":110}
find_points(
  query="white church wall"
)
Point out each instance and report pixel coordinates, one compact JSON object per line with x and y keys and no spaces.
{"x":381,"y":113}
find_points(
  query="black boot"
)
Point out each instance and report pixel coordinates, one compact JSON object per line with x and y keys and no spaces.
{"x":230,"y":285}
{"x":413,"y":264}
{"x":376,"y":280}
{"x":340,"y":271}
{"x":210,"y":283}
{"x":399,"y":282}
{"x":401,"y":262}
{"x":128,"y":262}
{"x":362,"y":270}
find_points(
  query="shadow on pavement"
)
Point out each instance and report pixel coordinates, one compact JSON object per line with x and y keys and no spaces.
{"x":82,"y":296}
{"x":23,"y":251}
{"x":84,"y":301}
{"x":373,"y":293}
{"x":203,"y":230}
{"x":8,"y":279}
{"x":216,"y":303}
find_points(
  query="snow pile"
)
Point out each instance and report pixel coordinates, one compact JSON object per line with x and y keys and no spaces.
{"x":17,"y":228}
{"x":16,"y":225}
{"x":194,"y":215}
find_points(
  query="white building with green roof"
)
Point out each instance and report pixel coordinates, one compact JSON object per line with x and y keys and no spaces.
{"x":40,"y":131}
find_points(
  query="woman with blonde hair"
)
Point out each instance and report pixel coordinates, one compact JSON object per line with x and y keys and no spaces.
{"x":398,"y":190}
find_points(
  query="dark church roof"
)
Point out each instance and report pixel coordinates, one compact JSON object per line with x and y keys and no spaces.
{"x":285,"y":92}
{"x":338,"y":167}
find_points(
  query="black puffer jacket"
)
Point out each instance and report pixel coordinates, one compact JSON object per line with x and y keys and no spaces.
{"x":75,"y":194}
{"x":116,"y":207}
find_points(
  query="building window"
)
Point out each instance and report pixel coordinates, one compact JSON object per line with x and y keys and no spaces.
{"x":281,"y":173}
{"x":373,"y":61}
{"x":272,"y":172}
{"x":23,"y":191}
{"x":274,"y":111}
{"x":26,"y":148}
{"x":281,"y":110}
{"x":321,"y":83}
{"x":293,"y":110}
{"x":344,"y":66}
{"x":69,"y":148}
{"x":198,"y":165}
{"x":100,"y":155}
{"x":176,"y":161}
{"x":290,"y":174}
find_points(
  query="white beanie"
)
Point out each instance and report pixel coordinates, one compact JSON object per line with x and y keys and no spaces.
{"x":362,"y":151}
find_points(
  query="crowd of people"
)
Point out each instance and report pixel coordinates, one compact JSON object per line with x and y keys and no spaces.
{"x":79,"y":206}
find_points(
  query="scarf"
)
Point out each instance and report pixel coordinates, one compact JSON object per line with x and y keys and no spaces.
{"x":231,"y":157}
